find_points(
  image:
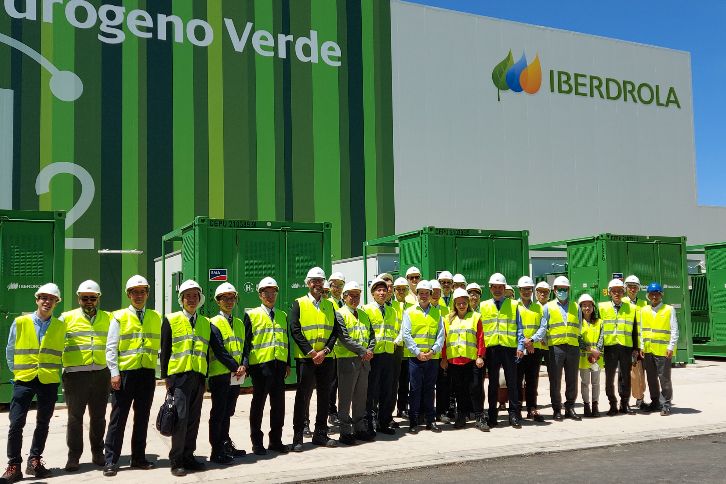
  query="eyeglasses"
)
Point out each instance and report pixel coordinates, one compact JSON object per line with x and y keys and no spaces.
{"x":413,"y":278}
{"x":89,"y":298}
{"x":43,"y":297}
{"x":227,"y":298}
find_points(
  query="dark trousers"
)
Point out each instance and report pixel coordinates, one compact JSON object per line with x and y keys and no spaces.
{"x":332,"y":407}
{"x":658,"y":371}
{"x":86,"y":389}
{"x":267,"y":379}
{"x":403,"y":386}
{"x":422,"y":381}
{"x":395,"y":377}
{"x":318,"y":377}
{"x":618,"y":356}
{"x":23,"y":394}
{"x":188,"y":391}
{"x":502,"y":357}
{"x":224,"y":402}
{"x":565,"y":357}
{"x":380,"y":387}
{"x":443,"y":393}
{"x":137,"y":389}
{"x":466,"y":384}
{"x":528,"y":373}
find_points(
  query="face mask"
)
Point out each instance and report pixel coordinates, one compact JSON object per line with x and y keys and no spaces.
{"x":562,"y":294}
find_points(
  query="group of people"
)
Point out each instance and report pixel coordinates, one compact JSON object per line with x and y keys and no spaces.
{"x":421,"y":347}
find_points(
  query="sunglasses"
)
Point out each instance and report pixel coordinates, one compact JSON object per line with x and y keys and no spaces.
{"x":89,"y":298}
{"x":413,"y":278}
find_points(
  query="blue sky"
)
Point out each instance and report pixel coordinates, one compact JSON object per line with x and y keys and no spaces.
{"x":697,"y":27}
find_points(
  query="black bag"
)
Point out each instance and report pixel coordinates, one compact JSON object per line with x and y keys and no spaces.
{"x":166,"y":419}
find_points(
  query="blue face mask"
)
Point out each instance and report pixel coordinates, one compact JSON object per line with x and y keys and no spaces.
{"x":562,"y":294}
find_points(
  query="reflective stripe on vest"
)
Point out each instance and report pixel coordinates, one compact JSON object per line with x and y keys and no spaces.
{"x":316,"y":324}
{"x":233,"y":339}
{"x":138,"y":343}
{"x":358,"y":330}
{"x":386,"y":329}
{"x":656,"y":329}
{"x":531,"y":319}
{"x":189,"y":347}
{"x":424,"y":328}
{"x":31,"y":359}
{"x":590,"y":336}
{"x":269,"y":338}
{"x":500,"y":326}
{"x":85,"y":342}
{"x":561,"y":332}
{"x":461,"y":336}
{"x":617,"y":327}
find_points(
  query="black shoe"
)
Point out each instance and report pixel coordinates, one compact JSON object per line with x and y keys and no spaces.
{"x":535,"y":415}
{"x":143,"y":464}
{"x":515,"y":422}
{"x":595,"y":410}
{"x":572,"y":415}
{"x":586,"y":411}
{"x":413,"y":429}
{"x":279,"y":447}
{"x":433,"y":427}
{"x":259,"y":450}
{"x":13,"y":473}
{"x":492,"y":422}
{"x":557,"y":415}
{"x":297,"y":446}
{"x":460,"y":422}
{"x":195,"y":465}
{"x":229,"y":448}
{"x":347,"y":439}
{"x":333,"y":419}
{"x":178,"y":471}
{"x":625,"y":409}
{"x":99,"y":459}
{"x":72,"y":465}
{"x":395,"y":425}
{"x":324,"y":441}
{"x":481,"y":424}
{"x":613,"y":409}
{"x":387,"y":430}
{"x":37,"y":468}
{"x":306,"y":431}
{"x":365,"y":436}
{"x":110,"y":470}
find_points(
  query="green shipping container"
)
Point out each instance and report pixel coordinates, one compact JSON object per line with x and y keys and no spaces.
{"x":242,"y":252}
{"x":712,"y":342}
{"x":32,"y":246}
{"x":475,"y":253}
{"x":592,"y":262}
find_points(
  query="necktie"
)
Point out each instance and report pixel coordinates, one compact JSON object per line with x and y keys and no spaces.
{"x":140,"y":315}
{"x":383,"y":310}
{"x":193,"y":320}
{"x":272,"y":314}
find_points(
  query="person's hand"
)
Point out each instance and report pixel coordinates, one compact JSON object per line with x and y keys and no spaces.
{"x":669,"y":354}
{"x":319,"y":357}
{"x":116,"y":382}
{"x":641,"y":354}
{"x":444,"y":364}
{"x":520,"y":354}
{"x":421,"y":356}
{"x":479,"y":362}
{"x":595,"y":353}
{"x":240,"y":373}
{"x":368,"y":355}
{"x":287,"y":371}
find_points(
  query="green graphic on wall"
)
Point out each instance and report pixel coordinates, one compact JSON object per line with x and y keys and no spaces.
{"x":137,"y":115}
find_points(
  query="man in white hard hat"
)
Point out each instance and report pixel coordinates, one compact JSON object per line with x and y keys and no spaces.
{"x":354,"y":353}
{"x":86,"y":377}
{"x":337,"y":282}
{"x":383,"y":319}
{"x":620,"y":340}
{"x":312,"y":325}
{"x":637,"y":373}
{"x":445,"y":403}
{"x":560,"y":327}
{"x":132,"y":347}
{"x":33,"y":353}
{"x":400,"y":380}
{"x":227,"y":332}
{"x":413,"y":276}
{"x":502,"y":325}
{"x":183,"y":359}
{"x":423,"y":336}
{"x":459,"y":282}
{"x":267,"y":358}
{"x":528,"y":369}
{"x":446,"y":280}
{"x":542,"y":292}
{"x":474,"y":291}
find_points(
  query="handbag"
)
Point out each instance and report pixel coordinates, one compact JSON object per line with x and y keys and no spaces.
{"x":167,"y":417}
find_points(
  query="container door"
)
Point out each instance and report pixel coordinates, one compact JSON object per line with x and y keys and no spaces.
{"x":410,"y":254}
{"x":643,"y":261}
{"x":583,"y":270}
{"x":671,"y":276}
{"x":258,"y":256}
{"x":474,"y":257}
{"x":716,"y":277}
{"x":508,"y":259}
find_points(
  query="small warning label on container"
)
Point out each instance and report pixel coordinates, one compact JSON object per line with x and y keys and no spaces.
{"x":218,"y":275}
{"x":618,"y":275}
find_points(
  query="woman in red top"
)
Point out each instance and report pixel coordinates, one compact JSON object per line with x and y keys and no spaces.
{"x":463,"y":355}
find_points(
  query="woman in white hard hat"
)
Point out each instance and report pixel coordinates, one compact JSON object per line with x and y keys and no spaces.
{"x":590,"y":355}
{"x":463,"y":355}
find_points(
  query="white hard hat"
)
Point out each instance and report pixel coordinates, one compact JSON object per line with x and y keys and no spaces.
{"x":136,"y":281}
{"x":315,"y":273}
{"x":187,"y":285}
{"x":336,"y":276}
{"x":224,"y":288}
{"x":50,"y":289}
{"x":435,"y":284}
{"x":616,"y":283}
{"x":561,"y":281}
{"x":632,"y":279}
{"x":326,"y":285}
{"x":400,"y":282}
{"x":351,"y":286}
{"x":89,"y":286}
{"x":525,"y":281}
{"x":543,"y":285}
{"x":508,"y":288}
{"x":446,"y":276}
{"x":473,"y":286}
{"x":268,"y":282}
{"x":585,"y":297}
{"x":423,"y":285}
{"x":459,"y":279}
{"x":459,"y":292}
{"x":413,"y":270}
{"x":378,"y":281}
{"x":497,"y":278}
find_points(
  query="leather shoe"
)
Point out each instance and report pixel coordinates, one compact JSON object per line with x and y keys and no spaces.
{"x":387,"y":430}
{"x":221,"y":458}
{"x":143,"y":464}
{"x":324,"y":441}
{"x":72,"y":465}
{"x":109,"y":470}
{"x":395,"y":425}
{"x":558,"y":415}
{"x":413,"y":429}
{"x":259,"y":450}
{"x":613,"y":410}
{"x":535,"y":415}
{"x":625,"y":409}
{"x":306,"y":431}
{"x":178,"y":471}
{"x":347,"y":439}
{"x":570,"y":413}
{"x":231,"y":449}
{"x":433,"y":427}
{"x":515,"y":422}
{"x":297,"y":446}
{"x":99,"y":459}
{"x":279,"y":447}
{"x":194,"y":465}
{"x":365,"y":436}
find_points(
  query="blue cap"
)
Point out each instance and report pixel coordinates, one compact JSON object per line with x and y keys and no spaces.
{"x":655,"y":287}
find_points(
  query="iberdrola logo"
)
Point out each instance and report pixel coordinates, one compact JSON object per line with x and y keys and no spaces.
{"x":517,"y":77}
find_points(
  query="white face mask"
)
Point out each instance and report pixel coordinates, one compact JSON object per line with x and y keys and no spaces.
{"x":562,"y":294}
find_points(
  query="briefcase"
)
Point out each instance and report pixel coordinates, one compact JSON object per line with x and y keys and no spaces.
{"x":166,"y":419}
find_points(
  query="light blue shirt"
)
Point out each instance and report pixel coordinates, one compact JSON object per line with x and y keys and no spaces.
{"x":40,"y":328}
{"x":408,"y":339}
{"x":541,"y":334}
